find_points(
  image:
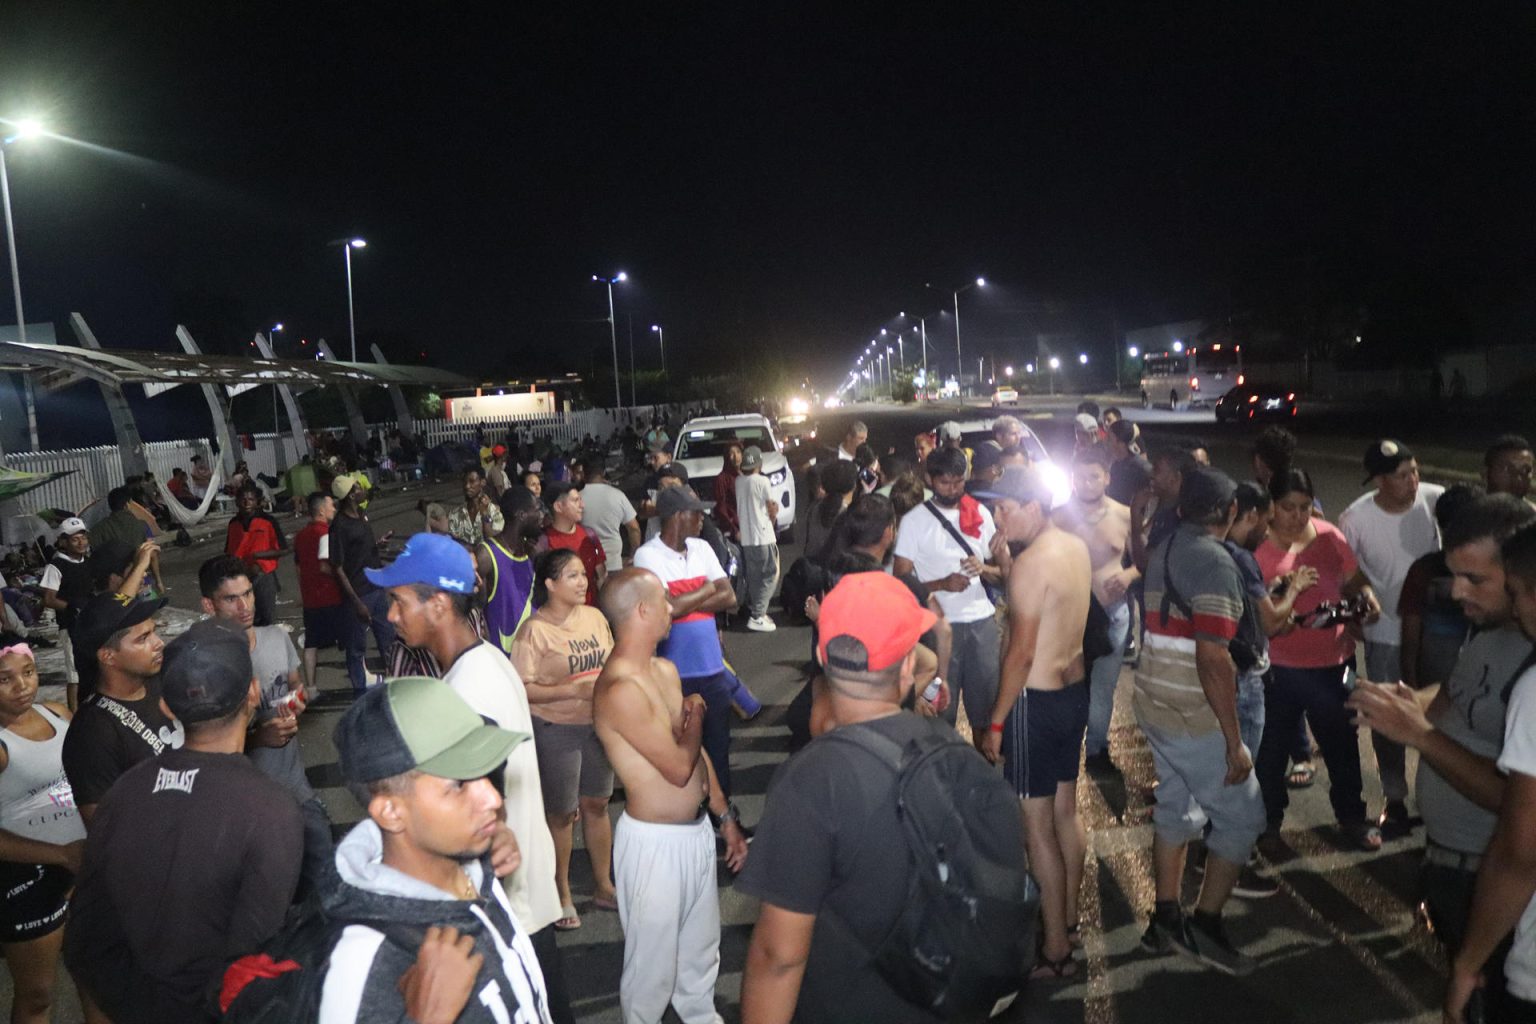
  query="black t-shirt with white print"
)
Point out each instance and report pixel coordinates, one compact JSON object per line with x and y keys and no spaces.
{"x":108,"y":736}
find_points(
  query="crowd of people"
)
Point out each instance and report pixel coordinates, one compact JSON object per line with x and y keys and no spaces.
{"x":540,"y":647}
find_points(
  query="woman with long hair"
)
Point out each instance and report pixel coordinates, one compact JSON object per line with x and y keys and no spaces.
{"x":1311,"y":660}
{"x":559,"y":651}
{"x":41,"y":835}
{"x":838,"y":480}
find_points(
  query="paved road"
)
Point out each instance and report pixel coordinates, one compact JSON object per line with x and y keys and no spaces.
{"x":1340,"y":943}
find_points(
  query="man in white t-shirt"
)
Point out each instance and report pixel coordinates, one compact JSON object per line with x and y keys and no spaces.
{"x":607,"y":511}
{"x":1388,"y":529}
{"x":857,"y":435}
{"x":430,"y":589}
{"x":1506,"y":885}
{"x":757,"y":512}
{"x":955,"y":574}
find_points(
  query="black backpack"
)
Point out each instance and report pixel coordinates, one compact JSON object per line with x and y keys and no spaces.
{"x":965,"y":937}
{"x":284,"y":981}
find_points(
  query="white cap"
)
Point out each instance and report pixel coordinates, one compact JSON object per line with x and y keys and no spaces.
{"x":1086,"y":423}
{"x":72,"y":526}
{"x":949,"y":429}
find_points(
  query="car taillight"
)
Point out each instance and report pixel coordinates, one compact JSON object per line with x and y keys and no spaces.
{"x":1290,"y":396}
{"x":1239,"y":380}
{"x":1252,"y":399}
{"x":1194,"y":383}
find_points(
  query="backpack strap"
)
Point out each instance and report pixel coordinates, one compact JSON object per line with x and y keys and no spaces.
{"x":949,"y":528}
{"x":882,"y":748}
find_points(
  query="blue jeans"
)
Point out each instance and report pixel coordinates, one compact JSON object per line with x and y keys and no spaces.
{"x":357,"y":641}
{"x":1104,"y":676}
{"x":717,"y":692}
{"x":1250,"y":710}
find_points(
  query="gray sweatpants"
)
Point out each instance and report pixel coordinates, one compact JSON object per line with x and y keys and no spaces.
{"x":974,"y":666}
{"x":760,"y":563}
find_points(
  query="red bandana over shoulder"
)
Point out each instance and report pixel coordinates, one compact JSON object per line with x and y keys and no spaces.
{"x":970,"y":516}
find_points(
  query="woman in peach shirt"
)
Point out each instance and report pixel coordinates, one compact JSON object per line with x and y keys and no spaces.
{"x":559,"y":651}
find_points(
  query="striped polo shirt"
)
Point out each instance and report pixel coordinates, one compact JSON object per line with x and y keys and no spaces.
{"x":1169,"y":696}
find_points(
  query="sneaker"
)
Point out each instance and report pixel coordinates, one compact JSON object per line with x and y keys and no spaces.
{"x":1254,"y":885}
{"x":761,"y":624}
{"x":1207,"y":942}
{"x":1164,"y":936}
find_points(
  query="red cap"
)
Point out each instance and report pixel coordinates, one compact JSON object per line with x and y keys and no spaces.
{"x":877,"y":611}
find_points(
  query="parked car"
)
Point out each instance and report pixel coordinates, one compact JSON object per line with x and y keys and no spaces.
{"x":700,"y":449}
{"x":1005,"y":395}
{"x":1249,"y":403}
{"x":976,"y":432}
{"x":797,"y":439}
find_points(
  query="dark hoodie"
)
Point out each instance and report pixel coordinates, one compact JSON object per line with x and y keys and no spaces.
{"x":361,"y":984}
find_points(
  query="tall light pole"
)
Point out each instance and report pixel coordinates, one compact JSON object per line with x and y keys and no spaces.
{"x":22,"y":130}
{"x":347,"y":245}
{"x":661,"y":337}
{"x":277,"y":430}
{"x":980,"y":282}
{"x":613,"y":333}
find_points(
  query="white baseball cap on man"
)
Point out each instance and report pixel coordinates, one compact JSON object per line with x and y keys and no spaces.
{"x":72,"y":526}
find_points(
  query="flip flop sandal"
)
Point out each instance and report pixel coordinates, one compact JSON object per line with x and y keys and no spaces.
{"x":1301,"y":775}
{"x":569,"y":920}
{"x":1047,"y":969}
{"x":1365,"y":836}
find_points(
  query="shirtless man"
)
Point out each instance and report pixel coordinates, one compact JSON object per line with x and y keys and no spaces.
{"x":1105,"y":526}
{"x":1042,"y":704}
{"x":664,"y":847}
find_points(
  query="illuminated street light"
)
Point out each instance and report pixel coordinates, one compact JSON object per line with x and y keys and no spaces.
{"x":1029,"y":367}
{"x":1082,"y":358}
{"x":613,"y":333}
{"x":980,"y":282}
{"x":347,"y":245}
{"x":1133,"y":352}
{"x":1008,"y":371}
{"x":661,"y":336}
{"x":1178,"y":346}
{"x":1055,"y":363}
{"x":24,"y":129}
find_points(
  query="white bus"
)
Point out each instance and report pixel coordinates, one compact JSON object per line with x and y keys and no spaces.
{"x":1191,"y":378}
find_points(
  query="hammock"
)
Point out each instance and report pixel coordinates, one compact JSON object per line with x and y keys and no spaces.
{"x":191,"y":516}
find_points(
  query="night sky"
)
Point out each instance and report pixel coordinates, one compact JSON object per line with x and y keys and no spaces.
{"x":773,"y":179}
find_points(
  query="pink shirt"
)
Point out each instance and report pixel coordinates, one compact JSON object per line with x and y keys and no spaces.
{"x":1335,"y":563}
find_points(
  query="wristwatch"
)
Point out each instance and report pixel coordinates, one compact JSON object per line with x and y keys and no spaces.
{"x":732,"y":813}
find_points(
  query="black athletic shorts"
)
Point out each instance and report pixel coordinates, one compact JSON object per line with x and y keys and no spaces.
{"x":325,"y":628}
{"x":36,"y":896}
{"x":1043,"y":739}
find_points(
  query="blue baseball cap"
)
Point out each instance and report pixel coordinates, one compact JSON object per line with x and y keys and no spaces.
{"x":432,"y":560}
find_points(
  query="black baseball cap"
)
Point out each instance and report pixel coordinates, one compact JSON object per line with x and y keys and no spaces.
{"x":672,"y":500}
{"x":105,"y":614}
{"x":207,"y":671}
{"x":1384,"y":456}
{"x":1203,"y":491}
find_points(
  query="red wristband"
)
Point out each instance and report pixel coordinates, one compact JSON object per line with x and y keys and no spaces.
{"x":996,"y":727}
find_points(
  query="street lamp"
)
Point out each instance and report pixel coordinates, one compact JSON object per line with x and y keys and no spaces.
{"x":1082,"y":358}
{"x":613,"y":333}
{"x":347,"y":245}
{"x":661,"y":336}
{"x":1178,"y":346}
{"x":1055,"y":365}
{"x":980,"y":282}
{"x":23,"y":129}
{"x":1133,"y":351}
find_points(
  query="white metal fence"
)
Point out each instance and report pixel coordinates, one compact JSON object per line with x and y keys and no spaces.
{"x":99,"y":469}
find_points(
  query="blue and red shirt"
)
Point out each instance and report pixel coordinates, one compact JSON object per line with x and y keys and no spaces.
{"x":694,"y":645}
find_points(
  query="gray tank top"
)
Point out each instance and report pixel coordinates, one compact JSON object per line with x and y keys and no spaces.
{"x":35,"y":799}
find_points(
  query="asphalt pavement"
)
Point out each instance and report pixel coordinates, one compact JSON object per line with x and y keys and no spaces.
{"x":1340,"y":942}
